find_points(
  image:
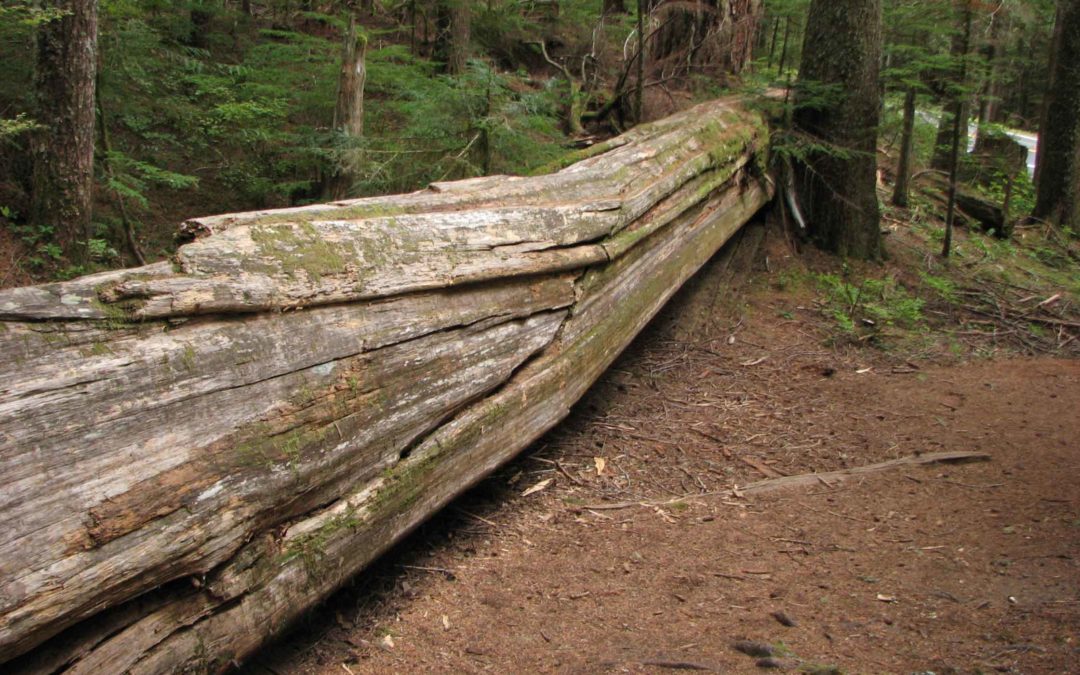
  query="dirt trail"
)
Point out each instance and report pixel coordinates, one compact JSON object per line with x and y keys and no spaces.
{"x":970,"y":568}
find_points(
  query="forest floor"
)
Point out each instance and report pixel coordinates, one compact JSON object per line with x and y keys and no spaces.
{"x":628,"y":555}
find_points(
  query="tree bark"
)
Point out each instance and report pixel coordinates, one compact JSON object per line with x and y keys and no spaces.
{"x":988,"y":97}
{"x":615,"y":7}
{"x":1058,"y":186}
{"x":959,"y":134}
{"x":575,"y":98}
{"x":784,"y":49}
{"x":349,"y":112}
{"x":837,"y":185}
{"x":712,"y":37}
{"x":954,"y":89}
{"x":907,"y":141}
{"x":63,"y":154}
{"x":642,"y":57}
{"x":772,"y":43}
{"x":452,"y":46}
{"x":179,"y":489}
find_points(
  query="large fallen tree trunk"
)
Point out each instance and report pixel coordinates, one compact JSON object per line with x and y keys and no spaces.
{"x":193,"y":454}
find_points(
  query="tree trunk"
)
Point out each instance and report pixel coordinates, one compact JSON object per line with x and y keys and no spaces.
{"x":1045,"y":106}
{"x":954,"y":90}
{"x":452,"y":42}
{"x":177,"y":491}
{"x":842,"y":51}
{"x":784,"y":49}
{"x":988,"y":97}
{"x":959,"y":134}
{"x":106,"y":150}
{"x":772,"y":43}
{"x":642,"y":55}
{"x":63,"y":153}
{"x":711,"y":37}
{"x":940,"y":160}
{"x":201,"y":16}
{"x":615,"y":7}
{"x":1058,"y":187}
{"x":349,"y":112}
{"x":907,"y":141}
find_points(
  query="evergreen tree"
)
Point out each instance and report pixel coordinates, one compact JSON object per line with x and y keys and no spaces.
{"x":837,"y":108}
{"x":349,"y":111}
{"x":63,"y":152}
{"x":952,"y":87}
{"x":1058,"y":186}
{"x":452,"y":42}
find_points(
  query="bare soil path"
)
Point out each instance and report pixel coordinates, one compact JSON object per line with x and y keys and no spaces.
{"x":623,"y":559}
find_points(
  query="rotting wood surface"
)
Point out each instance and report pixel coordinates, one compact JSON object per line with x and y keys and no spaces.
{"x":195,"y":453}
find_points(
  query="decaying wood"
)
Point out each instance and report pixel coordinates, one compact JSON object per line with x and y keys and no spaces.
{"x":195,"y":453}
{"x":832,"y":477}
{"x":826,"y":478}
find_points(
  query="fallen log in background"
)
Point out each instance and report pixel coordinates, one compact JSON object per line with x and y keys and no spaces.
{"x":195,"y":453}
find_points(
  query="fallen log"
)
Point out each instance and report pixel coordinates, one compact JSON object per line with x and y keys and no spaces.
{"x":194,"y":453}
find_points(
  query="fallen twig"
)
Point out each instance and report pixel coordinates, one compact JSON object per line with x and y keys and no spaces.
{"x":676,"y":665}
{"x":806,"y":479}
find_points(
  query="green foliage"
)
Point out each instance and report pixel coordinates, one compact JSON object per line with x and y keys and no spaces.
{"x":784,"y":20}
{"x":101,"y":250}
{"x":10,"y":128}
{"x":873,"y":303}
{"x":132,"y":178}
{"x":441,"y":128}
{"x":943,"y":286}
{"x":28,"y":14}
{"x":786,"y":143}
{"x":925,"y":131}
{"x":199,"y":97}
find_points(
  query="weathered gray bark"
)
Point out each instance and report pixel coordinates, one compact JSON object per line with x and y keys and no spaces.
{"x":1058,"y":173}
{"x":194,"y":456}
{"x":63,"y":153}
{"x":349,"y":111}
{"x":837,"y":185}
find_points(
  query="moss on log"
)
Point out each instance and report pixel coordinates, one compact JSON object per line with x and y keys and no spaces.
{"x":196,"y":453}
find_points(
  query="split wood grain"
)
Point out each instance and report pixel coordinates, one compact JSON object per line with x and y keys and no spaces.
{"x":194,"y":453}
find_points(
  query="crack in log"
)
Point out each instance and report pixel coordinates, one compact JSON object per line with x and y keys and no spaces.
{"x":267,"y":458}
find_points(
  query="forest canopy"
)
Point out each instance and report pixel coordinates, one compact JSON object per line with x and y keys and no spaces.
{"x":224,"y":105}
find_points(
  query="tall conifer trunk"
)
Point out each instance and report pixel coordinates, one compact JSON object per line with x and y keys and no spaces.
{"x":988,"y":97}
{"x":349,"y":111}
{"x":907,"y":140}
{"x":452,"y":43}
{"x":941,"y":159}
{"x":615,"y":7}
{"x":842,"y":53}
{"x":63,"y":153}
{"x":1058,"y":175}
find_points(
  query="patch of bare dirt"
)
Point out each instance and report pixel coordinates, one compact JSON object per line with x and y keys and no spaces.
{"x":633,"y":555}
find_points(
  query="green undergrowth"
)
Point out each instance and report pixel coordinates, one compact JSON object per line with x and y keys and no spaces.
{"x":870,"y":302}
{"x":991,"y":297}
